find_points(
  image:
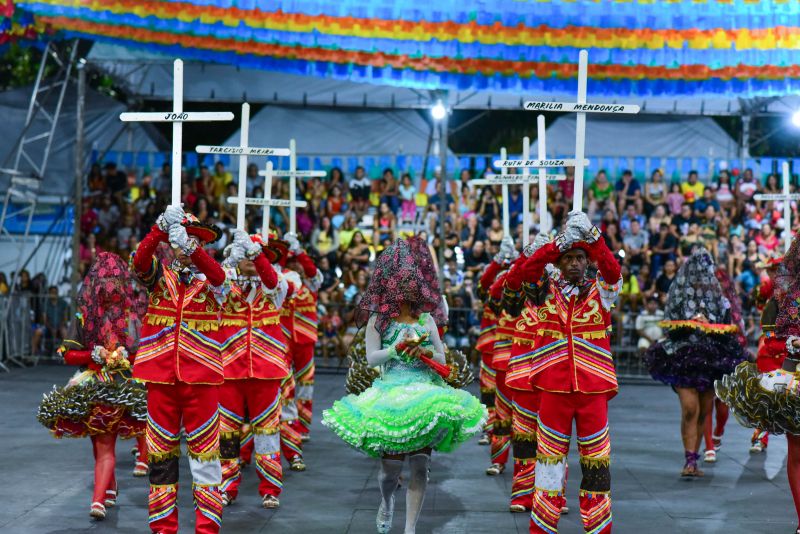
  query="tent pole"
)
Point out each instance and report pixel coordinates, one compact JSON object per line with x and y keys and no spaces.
{"x":78,"y":208}
{"x":443,"y":190}
{"x":745,"y":148}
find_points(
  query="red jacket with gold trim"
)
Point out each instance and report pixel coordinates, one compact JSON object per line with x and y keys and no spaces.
{"x":301,"y":317}
{"x":254,"y":344}
{"x":177,"y":342}
{"x":505,"y":327}
{"x":488,"y":328}
{"x":572,"y":352}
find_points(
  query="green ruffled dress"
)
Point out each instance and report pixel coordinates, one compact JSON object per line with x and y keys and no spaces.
{"x":408,"y":408}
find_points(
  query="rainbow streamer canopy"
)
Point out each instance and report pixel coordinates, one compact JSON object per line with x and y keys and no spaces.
{"x":637,"y":47}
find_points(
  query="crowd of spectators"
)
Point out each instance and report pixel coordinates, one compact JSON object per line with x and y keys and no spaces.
{"x":651,"y":224}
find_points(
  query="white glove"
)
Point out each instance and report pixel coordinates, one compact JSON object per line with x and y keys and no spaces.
{"x":565,"y":241}
{"x":538,"y":242}
{"x":97,"y":355}
{"x":233,"y":255}
{"x":179,"y":238}
{"x":252,"y":249}
{"x":172,"y":215}
{"x":507,"y":251}
{"x":294,"y":244}
{"x":294,"y":279}
{"x":580,"y":228}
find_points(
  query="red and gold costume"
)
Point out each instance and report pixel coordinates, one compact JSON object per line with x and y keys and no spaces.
{"x":485,"y":344}
{"x":254,"y":359}
{"x":501,"y":427}
{"x":573,"y":370}
{"x":179,"y":360}
{"x":522,"y":306}
{"x":299,"y":318}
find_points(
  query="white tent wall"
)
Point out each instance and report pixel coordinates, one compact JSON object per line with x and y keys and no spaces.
{"x":103,"y":131}
{"x":339,"y":132}
{"x":650,"y":137}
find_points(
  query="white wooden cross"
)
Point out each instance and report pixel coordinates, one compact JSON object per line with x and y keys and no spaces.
{"x":525,"y":179}
{"x":177,"y":117}
{"x":581,"y":108}
{"x":293,"y":174}
{"x":267,"y":202}
{"x":243,"y":151}
{"x":787,"y":198}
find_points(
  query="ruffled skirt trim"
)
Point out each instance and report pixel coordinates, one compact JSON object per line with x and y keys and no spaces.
{"x":92,"y":408}
{"x":403,"y":416}
{"x":777,"y":412}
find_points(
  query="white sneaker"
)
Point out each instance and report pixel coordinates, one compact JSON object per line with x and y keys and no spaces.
{"x":757,"y":447}
{"x":710,"y":456}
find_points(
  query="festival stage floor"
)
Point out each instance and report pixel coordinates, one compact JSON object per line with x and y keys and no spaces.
{"x":46,"y":483}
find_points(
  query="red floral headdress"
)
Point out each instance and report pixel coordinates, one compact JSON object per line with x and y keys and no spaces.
{"x":105,"y":301}
{"x":398,"y":279}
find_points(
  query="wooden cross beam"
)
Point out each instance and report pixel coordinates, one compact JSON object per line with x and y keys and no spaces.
{"x":267,"y":202}
{"x":243,"y":150}
{"x":177,"y":117}
{"x":581,"y":107}
{"x":293,"y":174}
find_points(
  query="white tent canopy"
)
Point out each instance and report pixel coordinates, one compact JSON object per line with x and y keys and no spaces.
{"x":338,"y":132}
{"x":102,"y":131}
{"x":149,"y":75}
{"x":647,"y":136}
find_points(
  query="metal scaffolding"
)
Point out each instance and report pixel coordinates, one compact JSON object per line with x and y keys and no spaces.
{"x":28,"y":171}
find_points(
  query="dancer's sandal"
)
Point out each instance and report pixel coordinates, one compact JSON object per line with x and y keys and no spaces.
{"x":111,"y":498}
{"x":485,"y":439}
{"x":140,"y":469}
{"x":305,"y":437}
{"x":227,"y":499}
{"x":495,"y":469}
{"x":757,"y":447}
{"x":564,"y":510}
{"x":97,"y":511}
{"x":691,"y":471}
{"x":517,"y":509}
{"x":270,"y":502}
{"x":717,"y":441}
{"x":383,"y":521}
{"x":297,"y":464}
{"x":710,"y":456}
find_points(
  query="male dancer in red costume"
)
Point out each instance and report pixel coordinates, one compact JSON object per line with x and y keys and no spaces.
{"x":305,"y":321}
{"x":182,"y":368}
{"x":299,"y":320}
{"x":485,"y":346}
{"x":498,"y":362}
{"x":574,"y":372}
{"x":771,"y":348}
{"x":522,"y":307}
{"x":254,"y":357}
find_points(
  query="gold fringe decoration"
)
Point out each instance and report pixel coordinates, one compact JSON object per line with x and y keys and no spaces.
{"x":595,"y":461}
{"x":163,"y":456}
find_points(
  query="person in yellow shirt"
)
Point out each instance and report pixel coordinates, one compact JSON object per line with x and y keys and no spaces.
{"x":693,"y":188}
{"x":220,"y":180}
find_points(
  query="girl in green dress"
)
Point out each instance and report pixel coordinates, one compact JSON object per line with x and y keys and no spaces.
{"x":410,"y":410}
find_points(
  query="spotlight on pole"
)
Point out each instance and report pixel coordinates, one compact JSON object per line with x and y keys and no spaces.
{"x":438,"y":111}
{"x":795,"y":118}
